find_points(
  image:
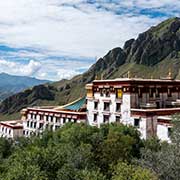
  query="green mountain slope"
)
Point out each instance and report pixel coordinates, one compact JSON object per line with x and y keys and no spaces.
{"x":10,"y":84}
{"x":152,"y":54}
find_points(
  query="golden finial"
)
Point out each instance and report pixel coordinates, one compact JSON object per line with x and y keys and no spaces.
{"x":129,"y":74}
{"x":170,"y":73}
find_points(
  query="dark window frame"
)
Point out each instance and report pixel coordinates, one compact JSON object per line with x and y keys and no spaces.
{"x":95,"y":105}
{"x":106,"y":118}
{"x":106,"y":106}
{"x":118,"y":107}
{"x":118,"y":118}
{"x":169,"y":131}
{"x":95,"y":117}
{"x":137,"y":122}
{"x":169,"y":92}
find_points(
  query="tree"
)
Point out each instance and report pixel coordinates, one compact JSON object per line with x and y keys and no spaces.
{"x":30,"y":172}
{"x":121,"y":143}
{"x":123,"y":171}
{"x":6,"y":147}
{"x":73,"y":152}
{"x":91,"y":175}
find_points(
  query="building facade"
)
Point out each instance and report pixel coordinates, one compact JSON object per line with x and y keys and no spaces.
{"x":147,"y":104}
{"x":37,"y":119}
{"x":11,"y":129}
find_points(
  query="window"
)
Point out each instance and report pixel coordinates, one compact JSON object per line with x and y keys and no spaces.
{"x":35,"y":116}
{"x":96,"y":105}
{"x":157,"y":93}
{"x":157,"y":105}
{"x":41,"y":117}
{"x":151,"y":93}
{"x":35,"y":124}
{"x":27,"y":123}
{"x":107,"y":93}
{"x":117,"y":118}
{"x":106,"y":118}
{"x":51,"y":118}
{"x":75,"y":120}
{"x":31,"y":124}
{"x":106,"y":106}
{"x":40,"y":125}
{"x":118,"y":107}
{"x":140,"y":93}
{"x":136,"y":122}
{"x":57,"y":119}
{"x":169,"y":131}
{"x":46,"y":118}
{"x":95,"y":118}
{"x":9,"y":131}
{"x":169,"y":92}
{"x":69,"y":119}
{"x":64,"y":120}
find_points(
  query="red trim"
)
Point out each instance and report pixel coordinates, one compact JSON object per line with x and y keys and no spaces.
{"x":11,"y":126}
{"x":66,"y":114}
{"x":164,"y":121}
{"x":155,"y":112}
{"x":132,"y":85}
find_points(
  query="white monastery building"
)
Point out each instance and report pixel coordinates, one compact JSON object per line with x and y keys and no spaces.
{"x":37,"y":119}
{"x":147,"y":104}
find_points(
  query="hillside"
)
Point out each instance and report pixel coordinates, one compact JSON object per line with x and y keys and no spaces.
{"x":152,"y":54}
{"x":10,"y":84}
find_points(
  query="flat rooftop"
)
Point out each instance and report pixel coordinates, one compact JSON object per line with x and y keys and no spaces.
{"x":15,"y":124}
{"x":137,"y":80}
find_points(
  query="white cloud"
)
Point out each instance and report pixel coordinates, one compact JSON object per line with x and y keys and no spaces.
{"x":66,"y":73}
{"x":57,"y":69}
{"x":19,"y":69}
{"x":83,"y":31}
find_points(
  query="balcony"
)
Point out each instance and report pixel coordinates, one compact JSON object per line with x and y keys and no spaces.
{"x":171,"y":103}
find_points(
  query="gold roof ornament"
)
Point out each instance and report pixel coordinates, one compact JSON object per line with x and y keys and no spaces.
{"x":170,"y":73}
{"x":129,"y":74}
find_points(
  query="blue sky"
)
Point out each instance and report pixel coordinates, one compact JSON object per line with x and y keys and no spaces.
{"x":55,"y":39}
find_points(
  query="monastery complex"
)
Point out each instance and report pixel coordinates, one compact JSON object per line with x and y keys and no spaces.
{"x":147,"y":104}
